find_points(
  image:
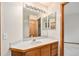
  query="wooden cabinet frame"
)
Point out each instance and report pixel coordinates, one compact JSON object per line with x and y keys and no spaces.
{"x":0,"y":28}
{"x":62,"y":28}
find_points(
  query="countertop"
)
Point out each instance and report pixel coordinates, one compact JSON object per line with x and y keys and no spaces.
{"x":23,"y":45}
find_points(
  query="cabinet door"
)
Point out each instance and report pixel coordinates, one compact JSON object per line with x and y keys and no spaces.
{"x":34,"y":52}
{"x":54,"y":52}
{"x":54,"y":49}
{"x":45,"y":50}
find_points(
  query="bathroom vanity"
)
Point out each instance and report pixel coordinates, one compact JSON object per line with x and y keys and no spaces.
{"x":47,"y":48}
{"x":41,"y":25}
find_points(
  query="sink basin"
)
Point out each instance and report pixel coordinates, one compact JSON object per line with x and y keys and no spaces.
{"x":36,"y":42}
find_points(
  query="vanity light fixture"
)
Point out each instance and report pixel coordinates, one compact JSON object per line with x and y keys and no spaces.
{"x":34,"y":8}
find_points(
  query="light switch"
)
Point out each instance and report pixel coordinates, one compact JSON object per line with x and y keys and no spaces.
{"x":5,"y":35}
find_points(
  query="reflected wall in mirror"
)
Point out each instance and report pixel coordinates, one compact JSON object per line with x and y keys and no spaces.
{"x":44,"y":23}
{"x":52,"y":21}
{"x":49,"y":22}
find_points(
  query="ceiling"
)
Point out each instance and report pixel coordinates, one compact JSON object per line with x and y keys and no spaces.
{"x":45,"y":5}
{"x":72,"y":8}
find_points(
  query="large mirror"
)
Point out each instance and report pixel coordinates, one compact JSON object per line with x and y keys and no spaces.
{"x":35,"y":24}
{"x":31,"y":23}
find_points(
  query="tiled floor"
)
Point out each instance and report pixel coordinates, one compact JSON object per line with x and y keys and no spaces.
{"x":71,"y":49}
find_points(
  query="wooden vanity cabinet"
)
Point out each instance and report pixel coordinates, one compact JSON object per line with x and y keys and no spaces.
{"x":44,"y":50}
{"x":33,"y":52}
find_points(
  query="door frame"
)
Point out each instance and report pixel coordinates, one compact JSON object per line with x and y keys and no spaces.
{"x":0,"y":28}
{"x":62,"y":28}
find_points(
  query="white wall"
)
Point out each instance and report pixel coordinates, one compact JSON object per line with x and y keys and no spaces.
{"x":53,"y":33}
{"x":71,"y":22}
{"x":11,"y":23}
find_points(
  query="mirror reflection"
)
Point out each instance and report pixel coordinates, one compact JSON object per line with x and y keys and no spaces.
{"x":37,"y":21}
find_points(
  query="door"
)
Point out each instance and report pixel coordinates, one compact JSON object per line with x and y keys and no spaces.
{"x":33,"y":27}
{"x":71,"y":32}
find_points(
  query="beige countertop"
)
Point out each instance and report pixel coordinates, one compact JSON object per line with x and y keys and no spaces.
{"x":31,"y":44}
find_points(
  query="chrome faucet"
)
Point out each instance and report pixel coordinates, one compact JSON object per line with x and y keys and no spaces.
{"x":34,"y":39}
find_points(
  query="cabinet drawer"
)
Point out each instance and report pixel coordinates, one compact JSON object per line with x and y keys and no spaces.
{"x":54,"y":45}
